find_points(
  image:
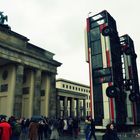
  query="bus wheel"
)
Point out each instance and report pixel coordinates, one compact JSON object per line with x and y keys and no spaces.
{"x":106,"y":31}
{"x":112,"y":91}
{"x":133,"y":97}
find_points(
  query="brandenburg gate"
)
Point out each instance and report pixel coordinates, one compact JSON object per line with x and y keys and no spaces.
{"x":27,"y":76}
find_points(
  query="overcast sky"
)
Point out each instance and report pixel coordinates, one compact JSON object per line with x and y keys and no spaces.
{"x":58,"y":26}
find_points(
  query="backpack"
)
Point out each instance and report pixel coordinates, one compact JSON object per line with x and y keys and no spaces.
{"x":16,"y":130}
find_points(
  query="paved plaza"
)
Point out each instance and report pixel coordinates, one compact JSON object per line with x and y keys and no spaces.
{"x":81,"y":136}
{"x":99,"y":137}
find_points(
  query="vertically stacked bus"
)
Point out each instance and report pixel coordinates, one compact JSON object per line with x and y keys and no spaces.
{"x":108,"y":99}
{"x":130,"y":78}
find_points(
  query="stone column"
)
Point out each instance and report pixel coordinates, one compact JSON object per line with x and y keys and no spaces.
{"x":78,"y":107}
{"x":47,"y":94}
{"x":31,"y":93}
{"x":65,"y":106}
{"x":17,"y":108}
{"x":72,"y":107}
{"x":84,"y":108}
{"x":37,"y":94}
{"x":58,"y":106}
{"x":52,"y":96}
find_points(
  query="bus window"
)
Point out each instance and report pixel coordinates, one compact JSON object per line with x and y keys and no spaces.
{"x":95,"y":34}
{"x":97,"y":61}
{"x":96,"y":47}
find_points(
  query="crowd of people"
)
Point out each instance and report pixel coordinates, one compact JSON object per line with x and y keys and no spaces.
{"x":42,"y":128}
{"x":37,"y":128}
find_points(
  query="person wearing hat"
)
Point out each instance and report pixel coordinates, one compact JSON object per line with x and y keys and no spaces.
{"x":5,"y":129}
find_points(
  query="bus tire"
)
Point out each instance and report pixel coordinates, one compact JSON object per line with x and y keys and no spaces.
{"x":112,"y":91}
{"x":107,"y":31}
{"x":132,"y":97}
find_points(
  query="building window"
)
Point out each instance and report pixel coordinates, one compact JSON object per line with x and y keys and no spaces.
{"x":63,"y":86}
{"x":25,"y":90}
{"x":73,"y":88}
{"x":66,"y":86}
{"x":69,"y":87}
{"x":5,"y":75}
{"x":42,"y":92}
{"x":24,"y":79}
{"x":4,"y":88}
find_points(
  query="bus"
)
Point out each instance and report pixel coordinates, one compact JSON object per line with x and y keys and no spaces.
{"x":130,"y":78}
{"x":106,"y":71}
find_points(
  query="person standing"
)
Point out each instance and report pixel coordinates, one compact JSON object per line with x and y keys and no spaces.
{"x":87,"y":128}
{"x":16,"y":128}
{"x":65,"y":126}
{"x":5,"y":129}
{"x":46,"y":127}
{"x":54,"y":132}
{"x":75,"y":127}
{"x":111,"y":133}
{"x":92,"y":130}
{"x":40,"y":130}
{"x":33,"y":130}
{"x":0,"y":133}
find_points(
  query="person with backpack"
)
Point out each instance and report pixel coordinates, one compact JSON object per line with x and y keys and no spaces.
{"x":16,"y":128}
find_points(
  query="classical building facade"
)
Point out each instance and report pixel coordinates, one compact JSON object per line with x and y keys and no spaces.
{"x":72,"y":99}
{"x":27,"y":77}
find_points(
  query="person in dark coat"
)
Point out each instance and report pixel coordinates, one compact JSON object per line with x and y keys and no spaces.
{"x":110,"y":133}
{"x":40,"y":130}
{"x":75,"y":127}
{"x":46,"y":127}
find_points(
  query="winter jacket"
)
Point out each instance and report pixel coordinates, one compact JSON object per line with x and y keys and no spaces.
{"x":110,"y":135}
{"x":6,"y":131}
